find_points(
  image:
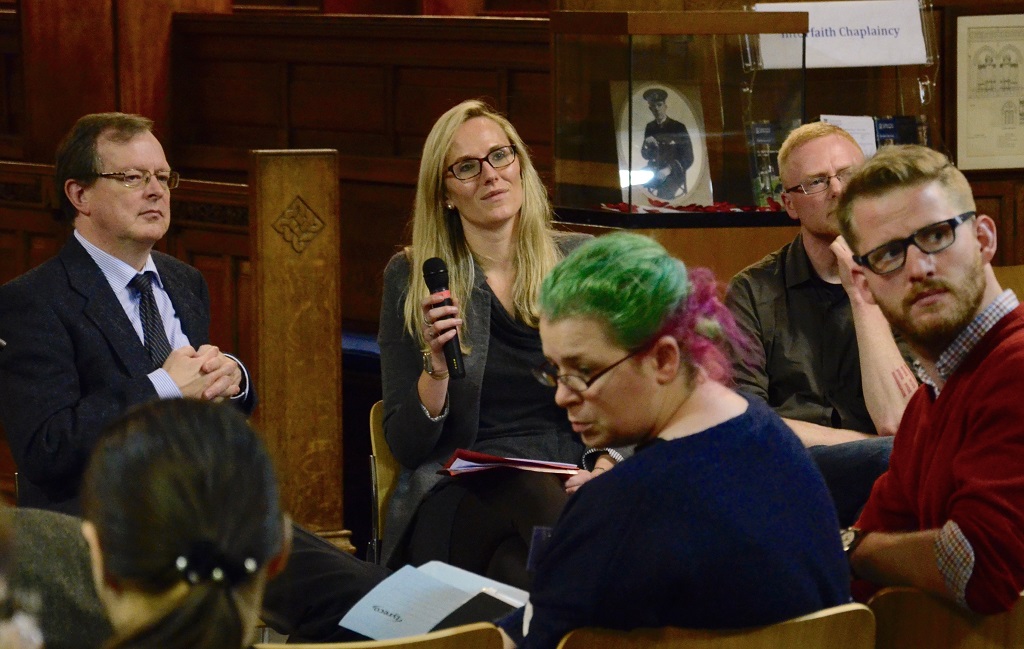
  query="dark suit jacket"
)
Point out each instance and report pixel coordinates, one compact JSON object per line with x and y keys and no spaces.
{"x":73,"y":363}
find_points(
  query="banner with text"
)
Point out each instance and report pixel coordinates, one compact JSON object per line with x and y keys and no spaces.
{"x":848,"y":34}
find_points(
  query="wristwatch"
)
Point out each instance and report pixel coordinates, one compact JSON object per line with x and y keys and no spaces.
{"x":851,"y":536}
{"x":428,"y":367}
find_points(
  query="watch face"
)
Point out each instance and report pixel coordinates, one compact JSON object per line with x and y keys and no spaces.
{"x":848,"y":535}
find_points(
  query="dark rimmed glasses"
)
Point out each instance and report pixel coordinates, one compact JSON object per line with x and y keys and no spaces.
{"x":470,"y":168}
{"x":818,"y":184}
{"x":547,"y":374}
{"x":134,"y":178}
{"x":890,"y":257}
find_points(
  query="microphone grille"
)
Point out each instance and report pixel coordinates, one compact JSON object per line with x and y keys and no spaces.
{"x":434,"y":265}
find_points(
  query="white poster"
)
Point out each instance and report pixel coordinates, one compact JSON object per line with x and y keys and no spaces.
{"x":989,"y":100}
{"x":848,"y":34}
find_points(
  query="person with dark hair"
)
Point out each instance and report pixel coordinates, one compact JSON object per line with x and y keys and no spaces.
{"x":667,"y":148}
{"x":184,"y":526}
{"x":948,"y":515}
{"x":482,"y":208}
{"x":109,"y":322}
{"x":720,"y":519}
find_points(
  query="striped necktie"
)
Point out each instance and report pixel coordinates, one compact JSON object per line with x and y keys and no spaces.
{"x":152,"y":324}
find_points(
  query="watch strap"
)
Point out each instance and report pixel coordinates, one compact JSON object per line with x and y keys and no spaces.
{"x":428,"y":367}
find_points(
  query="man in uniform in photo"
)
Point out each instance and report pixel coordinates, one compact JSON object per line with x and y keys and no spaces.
{"x":667,"y":149}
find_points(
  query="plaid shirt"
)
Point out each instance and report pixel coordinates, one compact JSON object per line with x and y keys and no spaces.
{"x":953,"y":551}
{"x":962,"y":345}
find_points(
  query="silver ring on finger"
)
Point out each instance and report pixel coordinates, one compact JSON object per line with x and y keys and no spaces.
{"x":427,"y":321}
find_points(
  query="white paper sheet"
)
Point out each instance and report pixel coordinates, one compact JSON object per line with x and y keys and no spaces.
{"x":849,"y":34}
{"x":861,"y":127}
{"x":409,"y":602}
{"x":414,"y":600}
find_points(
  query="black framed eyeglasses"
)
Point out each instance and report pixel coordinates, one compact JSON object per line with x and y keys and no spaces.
{"x":134,"y":178}
{"x":547,"y":374}
{"x":890,"y":257}
{"x":472,"y":167}
{"x":818,"y":184}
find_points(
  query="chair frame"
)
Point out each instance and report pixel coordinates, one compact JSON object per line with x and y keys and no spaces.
{"x":909,"y":618}
{"x":849,"y":626}
{"x":384,"y":472}
{"x":479,"y":635}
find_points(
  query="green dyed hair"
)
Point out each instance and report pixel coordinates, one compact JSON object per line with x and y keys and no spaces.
{"x":627,"y":281}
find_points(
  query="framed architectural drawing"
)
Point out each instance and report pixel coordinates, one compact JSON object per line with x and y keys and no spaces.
{"x":989,"y":95}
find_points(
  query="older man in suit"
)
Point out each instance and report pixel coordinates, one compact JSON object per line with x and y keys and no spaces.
{"x":109,"y":322}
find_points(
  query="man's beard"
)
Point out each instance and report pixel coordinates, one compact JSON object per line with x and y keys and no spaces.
{"x":933,"y":337}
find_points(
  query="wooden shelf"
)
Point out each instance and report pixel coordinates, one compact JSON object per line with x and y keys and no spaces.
{"x":671,"y":23}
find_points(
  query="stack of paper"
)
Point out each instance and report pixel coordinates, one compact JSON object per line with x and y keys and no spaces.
{"x":465,"y":461}
{"x":434,"y":596}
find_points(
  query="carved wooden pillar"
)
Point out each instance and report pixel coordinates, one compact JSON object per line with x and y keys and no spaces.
{"x":295,"y":241}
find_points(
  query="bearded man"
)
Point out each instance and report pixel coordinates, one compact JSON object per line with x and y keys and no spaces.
{"x":948,"y":515}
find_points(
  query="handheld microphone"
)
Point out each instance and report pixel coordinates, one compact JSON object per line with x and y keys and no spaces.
{"x":435,"y":274}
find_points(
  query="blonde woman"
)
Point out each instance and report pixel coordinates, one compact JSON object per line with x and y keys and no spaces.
{"x":481,"y":207}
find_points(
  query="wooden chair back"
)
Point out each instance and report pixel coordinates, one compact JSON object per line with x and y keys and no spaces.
{"x":908,"y":618}
{"x":480,"y":635}
{"x":850,"y":626}
{"x":384,"y":472}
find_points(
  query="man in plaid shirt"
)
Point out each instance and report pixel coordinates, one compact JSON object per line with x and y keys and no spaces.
{"x":948,"y":516}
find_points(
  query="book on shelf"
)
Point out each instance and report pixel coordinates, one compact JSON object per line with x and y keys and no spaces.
{"x":466,"y":461}
{"x":763,"y":148}
{"x":901,"y":129}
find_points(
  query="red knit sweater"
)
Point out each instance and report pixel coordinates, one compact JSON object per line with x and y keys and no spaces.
{"x":960,"y":457}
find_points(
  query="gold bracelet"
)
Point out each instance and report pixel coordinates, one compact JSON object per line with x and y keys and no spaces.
{"x":428,"y":367}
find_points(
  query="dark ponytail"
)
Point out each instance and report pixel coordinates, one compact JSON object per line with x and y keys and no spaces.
{"x":184,"y":491}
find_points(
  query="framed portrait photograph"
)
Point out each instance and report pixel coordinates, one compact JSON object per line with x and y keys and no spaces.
{"x":662,"y":147}
{"x":989,"y":97}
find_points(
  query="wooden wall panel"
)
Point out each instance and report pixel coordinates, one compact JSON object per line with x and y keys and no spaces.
{"x":144,"y":53}
{"x":998,"y":200}
{"x":369,"y":87}
{"x":12,"y":90}
{"x":56,"y":41}
{"x":374,"y":228}
{"x":85,"y":56}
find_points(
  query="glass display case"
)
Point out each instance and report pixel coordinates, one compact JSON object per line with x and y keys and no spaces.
{"x":670,"y":118}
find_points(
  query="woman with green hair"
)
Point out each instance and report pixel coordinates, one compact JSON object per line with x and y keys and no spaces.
{"x":720,"y":519}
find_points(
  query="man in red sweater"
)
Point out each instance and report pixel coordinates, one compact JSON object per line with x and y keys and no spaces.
{"x":948,"y":516}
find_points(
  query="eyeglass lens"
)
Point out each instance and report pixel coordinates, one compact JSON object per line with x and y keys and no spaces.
{"x":819,"y":184}
{"x":133,"y":178}
{"x":472,"y":167}
{"x":930,"y":239}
